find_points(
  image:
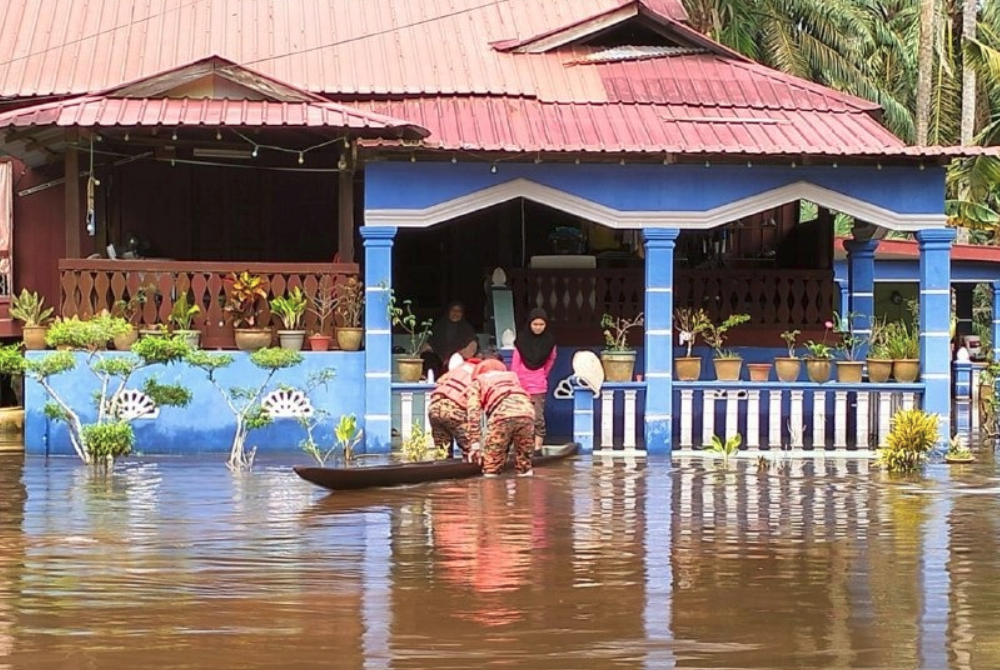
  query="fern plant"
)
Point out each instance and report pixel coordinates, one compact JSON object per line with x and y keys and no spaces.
{"x":913,"y":434}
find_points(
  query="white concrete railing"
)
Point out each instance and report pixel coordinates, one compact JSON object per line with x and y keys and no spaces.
{"x":596,"y":424}
{"x":798,"y":415}
{"x":409,"y":404}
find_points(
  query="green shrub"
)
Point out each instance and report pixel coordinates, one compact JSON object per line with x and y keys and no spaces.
{"x":108,"y":441}
{"x":913,"y":434}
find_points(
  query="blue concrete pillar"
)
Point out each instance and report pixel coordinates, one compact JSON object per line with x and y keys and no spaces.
{"x":935,"y":323}
{"x":995,"y":328}
{"x":660,"y":243}
{"x":378,"y":339}
{"x":861,"y":287}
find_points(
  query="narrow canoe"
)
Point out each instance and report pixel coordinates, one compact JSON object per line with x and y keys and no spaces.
{"x":363,"y":477}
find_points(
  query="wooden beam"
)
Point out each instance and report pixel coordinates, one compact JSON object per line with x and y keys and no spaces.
{"x":345,"y":215}
{"x":71,"y":207}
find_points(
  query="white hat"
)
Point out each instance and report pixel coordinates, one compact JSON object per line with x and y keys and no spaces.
{"x":455,"y":361}
{"x":588,"y":370}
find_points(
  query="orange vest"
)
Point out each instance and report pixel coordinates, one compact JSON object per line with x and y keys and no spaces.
{"x":496,"y":386}
{"x":455,"y":386}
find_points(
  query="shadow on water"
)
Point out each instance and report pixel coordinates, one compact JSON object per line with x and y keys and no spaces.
{"x":177,"y":563}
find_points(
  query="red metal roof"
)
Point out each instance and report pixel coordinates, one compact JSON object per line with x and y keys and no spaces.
{"x":102,"y":110}
{"x":431,"y":62}
{"x":888,"y":249}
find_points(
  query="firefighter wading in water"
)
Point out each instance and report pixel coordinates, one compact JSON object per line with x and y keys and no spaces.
{"x":510,"y":418}
{"x":448,"y":412}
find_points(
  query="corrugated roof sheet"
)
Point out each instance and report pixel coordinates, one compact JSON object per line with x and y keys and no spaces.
{"x":431,"y":63}
{"x":107,"y":111}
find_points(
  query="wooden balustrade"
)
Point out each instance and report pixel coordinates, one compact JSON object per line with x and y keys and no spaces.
{"x":90,"y":285}
{"x":576,"y":299}
{"x":781,"y":299}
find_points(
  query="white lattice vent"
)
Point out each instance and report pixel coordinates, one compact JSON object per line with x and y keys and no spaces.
{"x":132,"y":404}
{"x":287,"y":404}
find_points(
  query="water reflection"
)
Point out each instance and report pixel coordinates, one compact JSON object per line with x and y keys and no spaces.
{"x":589,"y":565}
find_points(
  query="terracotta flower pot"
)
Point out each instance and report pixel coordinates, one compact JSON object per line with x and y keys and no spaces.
{"x":879,"y":370}
{"x":34,"y":337}
{"x":728,"y":369}
{"x":618,"y":365}
{"x":319,"y":342}
{"x":787,"y":369}
{"x":410,"y":369}
{"x":906,"y":370}
{"x":688,"y":368}
{"x":252,"y":339}
{"x":125,"y":342}
{"x":818,"y":369}
{"x":759,"y":372}
{"x":192,"y":337}
{"x":849,"y":372}
{"x":349,"y":339}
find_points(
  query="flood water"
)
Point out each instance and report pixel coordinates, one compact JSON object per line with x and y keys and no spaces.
{"x":176,"y":563}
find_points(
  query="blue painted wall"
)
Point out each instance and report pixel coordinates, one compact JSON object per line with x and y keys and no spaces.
{"x":404,"y":185}
{"x":206,"y":425}
{"x":909,"y":271}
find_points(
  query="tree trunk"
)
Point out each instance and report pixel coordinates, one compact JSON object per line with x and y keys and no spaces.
{"x":969,"y":9}
{"x":926,"y":69}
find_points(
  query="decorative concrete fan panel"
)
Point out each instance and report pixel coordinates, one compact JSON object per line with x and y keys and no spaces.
{"x":287,"y":404}
{"x":133,"y":404}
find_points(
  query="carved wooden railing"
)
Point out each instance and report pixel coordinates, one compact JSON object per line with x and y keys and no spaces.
{"x":576,"y":299}
{"x":774,"y":299}
{"x":90,"y":285}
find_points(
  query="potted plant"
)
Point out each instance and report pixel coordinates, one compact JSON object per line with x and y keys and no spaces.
{"x":879,"y":361}
{"x":690,"y":323}
{"x":322,"y":304}
{"x":246,"y":294}
{"x":129,"y":310}
{"x":788,"y":367}
{"x":29,"y":308}
{"x":958,"y":451}
{"x":91,"y":334}
{"x":819,"y":358}
{"x":411,"y":365}
{"x":350,"y":302}
{"x":618,"y":358}
{"x":849,"y":370}
{"x":728,"y":363}
{"x":903,"y":347}
{"x":181,"y":316}
{"x":290,"y":308}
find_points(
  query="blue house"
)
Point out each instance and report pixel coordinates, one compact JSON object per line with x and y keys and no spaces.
{"x":680,"y":165}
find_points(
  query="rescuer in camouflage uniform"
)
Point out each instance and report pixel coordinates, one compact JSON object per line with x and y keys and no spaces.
{"x":449,"y":409}
{"x":510,"y":418}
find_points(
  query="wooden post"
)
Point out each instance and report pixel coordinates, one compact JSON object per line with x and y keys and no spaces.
{"x":71,"y":209}
{"x":345,"y":215}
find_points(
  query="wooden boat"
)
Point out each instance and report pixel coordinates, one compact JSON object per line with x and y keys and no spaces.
{"x":398,"y":474}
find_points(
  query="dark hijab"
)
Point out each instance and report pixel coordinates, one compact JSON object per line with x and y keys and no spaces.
{"x":535,"y":349}
{"x":450,"y":336}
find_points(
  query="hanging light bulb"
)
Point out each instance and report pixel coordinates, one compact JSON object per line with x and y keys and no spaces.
{"x":493,"y":169}
{"x":413,"y":158}
{"x":342,"y":163}
{"x":218,"y":134}
{"x":173,"y":136}
{"x":454,"y":160}
{"x":126,"y":136}
{"x":301,"y":158}
{"x":254,"y":152}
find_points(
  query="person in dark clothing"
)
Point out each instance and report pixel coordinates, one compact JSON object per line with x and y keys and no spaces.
{"x":451,"y":334}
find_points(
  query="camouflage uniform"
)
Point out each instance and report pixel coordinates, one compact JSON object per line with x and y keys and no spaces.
{"x":448,"y":410}
{"x":510,"y":420}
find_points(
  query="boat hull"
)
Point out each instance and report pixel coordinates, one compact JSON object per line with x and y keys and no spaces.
{"x":401,"y":474}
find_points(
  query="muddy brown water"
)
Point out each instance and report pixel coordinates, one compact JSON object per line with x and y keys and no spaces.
{"x":176,"y":563}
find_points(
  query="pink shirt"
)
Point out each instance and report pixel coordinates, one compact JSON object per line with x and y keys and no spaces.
{"x":535,"y":382}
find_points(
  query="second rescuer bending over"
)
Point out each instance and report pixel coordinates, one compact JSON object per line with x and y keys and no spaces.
{"x":510,"y":418}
